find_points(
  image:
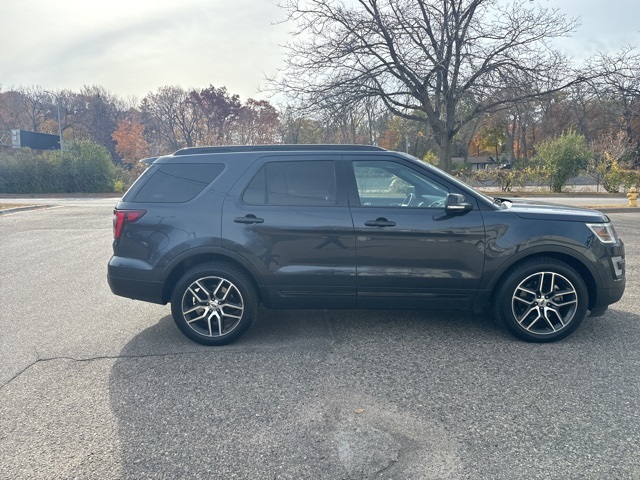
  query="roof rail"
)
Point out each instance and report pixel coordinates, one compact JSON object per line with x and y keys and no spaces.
{"x":148,"y":161}
{"x":274,"y":148}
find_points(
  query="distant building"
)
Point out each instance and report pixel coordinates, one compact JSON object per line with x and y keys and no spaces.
{"x":34,"y":140}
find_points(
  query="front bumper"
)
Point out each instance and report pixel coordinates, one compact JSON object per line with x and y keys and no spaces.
{"x":608,"y":295}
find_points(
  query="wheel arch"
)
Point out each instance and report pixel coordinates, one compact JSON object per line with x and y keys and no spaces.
{"x":198,"y":256}
{"x":589,"y":276}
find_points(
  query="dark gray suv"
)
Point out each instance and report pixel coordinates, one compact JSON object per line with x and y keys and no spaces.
{"x":218,"y":230}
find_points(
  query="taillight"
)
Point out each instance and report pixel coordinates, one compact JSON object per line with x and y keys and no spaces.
{"x":122,"y":217}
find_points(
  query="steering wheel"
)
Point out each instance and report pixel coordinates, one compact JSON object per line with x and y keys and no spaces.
{"x":408,"y":199}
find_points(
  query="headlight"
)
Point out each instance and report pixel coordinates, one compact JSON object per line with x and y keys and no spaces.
{"x":604,"y":232}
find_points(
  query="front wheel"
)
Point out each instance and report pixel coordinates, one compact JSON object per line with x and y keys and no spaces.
{"x":214,"y":304}
{"x":541,"y":300}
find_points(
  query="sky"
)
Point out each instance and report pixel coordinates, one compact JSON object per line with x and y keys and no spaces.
{"x":132,"y":47}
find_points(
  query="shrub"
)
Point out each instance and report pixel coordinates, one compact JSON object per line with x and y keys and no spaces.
{"x":431,"y":158}
{"x":564,"y":157}
{"x":462,"y":170}
{"x":630,"y":178}
{"x":27,"y":171}
{"x":610,"y":174}
{"x":506,"y":179}
{"x":83,"y":166}
{"x":118,"y":186}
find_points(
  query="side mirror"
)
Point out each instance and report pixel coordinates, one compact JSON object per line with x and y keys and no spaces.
{"x":456,"y":203}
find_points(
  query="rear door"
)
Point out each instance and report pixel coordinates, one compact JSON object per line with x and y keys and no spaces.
{"x":289,"y":217}
{"x":410,"y":252}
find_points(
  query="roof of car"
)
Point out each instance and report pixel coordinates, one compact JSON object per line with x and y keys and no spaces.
{"x":275,"y":148}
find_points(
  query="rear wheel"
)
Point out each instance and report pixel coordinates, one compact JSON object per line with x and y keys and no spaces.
{"x":541,"y":300}
{"x":213,"y":304}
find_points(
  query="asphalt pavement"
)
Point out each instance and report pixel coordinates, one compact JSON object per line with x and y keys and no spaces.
{"x":97,"y":386}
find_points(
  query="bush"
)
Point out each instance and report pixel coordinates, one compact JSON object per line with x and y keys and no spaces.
{"x":431,"y":158}
{"x":612,"y":176}
{"x":462,"y":170}
{"x":83,"y":166}
{"x":564,"y":157}
{"x":507,"y":178}
{"x":27,"y":171}
{"x":630,"y":178}
{"x":118,"y":186}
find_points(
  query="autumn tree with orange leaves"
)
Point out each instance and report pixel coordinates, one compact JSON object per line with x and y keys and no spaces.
{"x":130,"y":142}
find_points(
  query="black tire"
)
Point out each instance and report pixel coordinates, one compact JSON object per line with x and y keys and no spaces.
{"x":541,"y":300}
{"x":214,"y":303}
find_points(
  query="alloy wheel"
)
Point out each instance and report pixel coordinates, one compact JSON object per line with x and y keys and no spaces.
{"x":544,"y":303}
{"x":212,"y":306}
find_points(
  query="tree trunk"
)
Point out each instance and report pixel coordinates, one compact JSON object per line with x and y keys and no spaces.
{"x":446,"y":142}
{"x":510,"y":131}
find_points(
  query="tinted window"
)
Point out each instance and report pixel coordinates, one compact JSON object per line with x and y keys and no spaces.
{"x":178,"y":182}
{"x":293,"y":183}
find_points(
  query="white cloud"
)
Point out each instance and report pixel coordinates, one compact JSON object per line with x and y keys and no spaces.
{"x":131,"y":47}
{"x":134,"y":47}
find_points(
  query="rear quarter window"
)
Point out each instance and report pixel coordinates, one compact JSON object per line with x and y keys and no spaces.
{"x":177,"y":182}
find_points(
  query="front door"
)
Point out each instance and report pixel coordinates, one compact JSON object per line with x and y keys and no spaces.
{"x":411,"y":253}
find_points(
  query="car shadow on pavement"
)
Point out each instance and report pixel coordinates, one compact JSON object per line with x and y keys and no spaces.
{"x":280,"y":402}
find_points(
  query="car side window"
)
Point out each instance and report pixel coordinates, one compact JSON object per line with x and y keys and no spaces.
{"x":293,"y":183}
{"x":391,"y":184}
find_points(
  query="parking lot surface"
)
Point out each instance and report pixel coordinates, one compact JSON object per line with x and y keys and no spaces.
{"x":98,"y":386}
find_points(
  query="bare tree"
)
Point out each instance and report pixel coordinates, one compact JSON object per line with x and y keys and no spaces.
{"x":257,"y":123}
{"x":619,"y":91}
{"x":221,"y":112}
{"x":11,"y":112}
{"x":296,"y":128}
{"x":425,"y":58}
{"x":24,"y":108}
{"x":95,"y":112}
{"x":173,"y":116}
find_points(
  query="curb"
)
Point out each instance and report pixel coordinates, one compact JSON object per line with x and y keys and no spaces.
{"x":25,"y":209}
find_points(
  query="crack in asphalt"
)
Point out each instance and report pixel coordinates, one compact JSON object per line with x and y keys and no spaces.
{"x":87,"y":360}
{"x":263,"y":348}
